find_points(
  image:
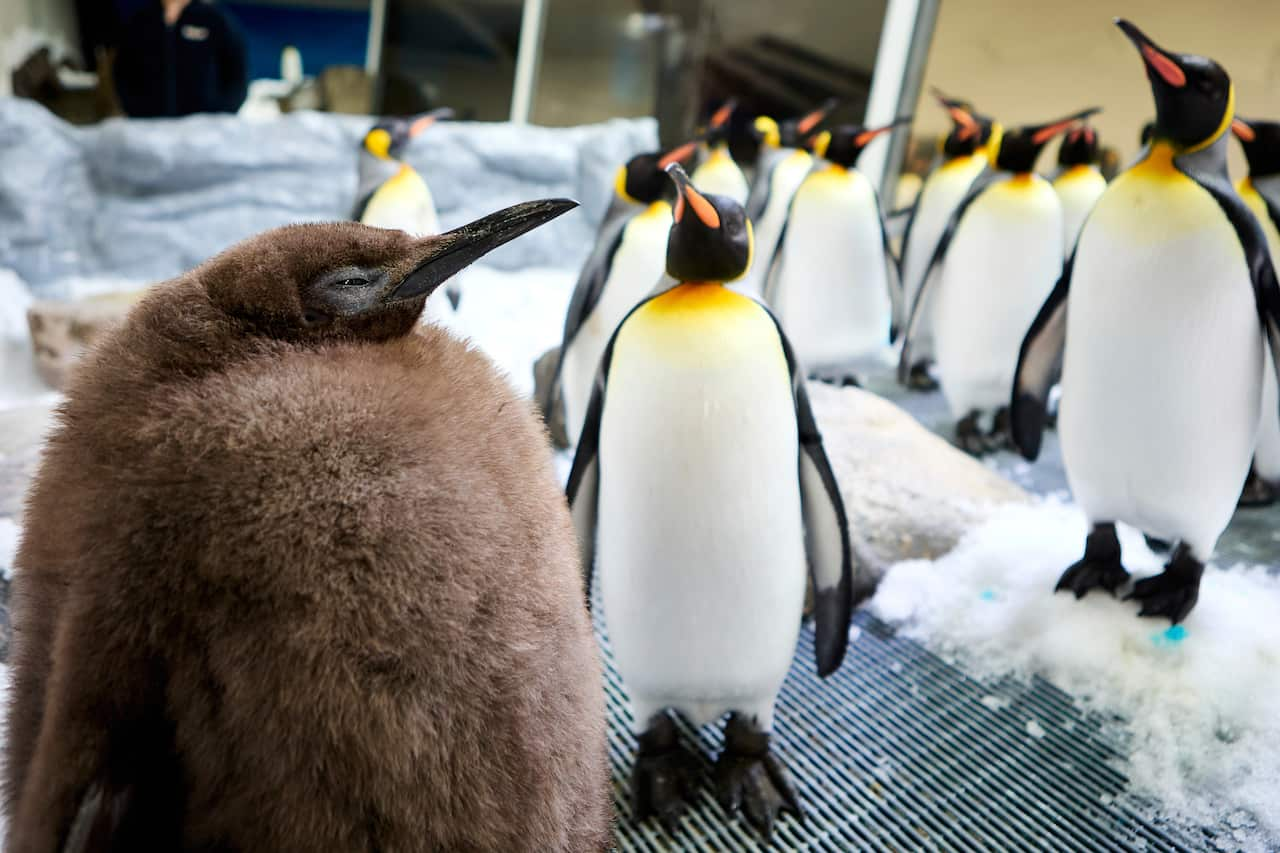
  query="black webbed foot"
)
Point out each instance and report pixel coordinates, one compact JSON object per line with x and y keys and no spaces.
{"x":665,"y":775}
{"x":748,"y":779}
{"x":969,"y":436}
{"x":1174,"y":592}
{"x":1257,"y":492}
{"x":1001,"y":435}
{"x":1100,"y":568}
{"x":920,"y":379}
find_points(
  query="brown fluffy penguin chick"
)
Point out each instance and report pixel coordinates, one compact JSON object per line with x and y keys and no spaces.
{"x":296,"y":579}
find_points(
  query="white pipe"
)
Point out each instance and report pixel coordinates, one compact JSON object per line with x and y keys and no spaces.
{"x":886,"y":83}
{"x":373,"y":47}
{"x":528,"y":58}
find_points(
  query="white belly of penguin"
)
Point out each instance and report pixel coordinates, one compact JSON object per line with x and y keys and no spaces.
{"x":832,"y":291}
{"x":1078,"y":190}
{"x":700,"y":544}
{"x":1163,"y":367}
{"x":637,"y":266}
{"x":1004,"y":259}
{"x":786,"y":178}
{"x":942,"y":192}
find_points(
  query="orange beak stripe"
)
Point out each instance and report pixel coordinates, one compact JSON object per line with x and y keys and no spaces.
{"x":722,"y":115}
{"x":702,"y":208}
{"x":678,"y":213}
{"x":810,"y":121}
{"x":421,"y":124}
{"x":676,"y":155}
{"x":1164,"y":66}
{"x":868,"y":135}
{"x":968,"y":127}
{"x":1242,"y":130}
{"x":1044,"y":134}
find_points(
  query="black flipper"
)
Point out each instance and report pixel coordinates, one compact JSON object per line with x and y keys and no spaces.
{"x":769,"y":291}
{"x":586,"y":295}
{"x":976,"y":189}
{"x":758,"y":199}
{"x":893,"y":277}
{"x":1039,"y":366}
{"x":1208,"y":168}
{"x":828,"y":540}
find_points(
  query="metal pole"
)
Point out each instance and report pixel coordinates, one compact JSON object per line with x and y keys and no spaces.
{"x":377,"y":27}
{"x":528,"y":59}
{"x":904,"y":46}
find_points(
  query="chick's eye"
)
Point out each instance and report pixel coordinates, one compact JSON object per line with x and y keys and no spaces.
{"x":352,"y":282}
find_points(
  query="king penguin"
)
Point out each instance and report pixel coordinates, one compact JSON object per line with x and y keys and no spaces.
{"x":997,"y":259}
{"x":1261,"y":192}
{"x":1157,"y":323}
{"x":296,"y":575}
{"x":963,"y":157}
{"x":784,"y":163}
{"x":1079,"y":181}
{"x":718,"y":173}
{"x":625,"y":267}
{"x":701,"y":492}
{"x":834,"y":282}
{"x":391,"y":194}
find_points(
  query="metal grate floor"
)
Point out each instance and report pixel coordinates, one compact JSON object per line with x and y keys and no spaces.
{"x":901,"y":751}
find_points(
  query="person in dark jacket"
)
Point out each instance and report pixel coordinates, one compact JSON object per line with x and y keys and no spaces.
{"x":179,"y":57}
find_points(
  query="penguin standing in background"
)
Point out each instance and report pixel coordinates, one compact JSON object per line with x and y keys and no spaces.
{"x":625,"y":267}
{"x":1158,"y":324}
{"x":963,"y":159}
{"x":784,"y":163}
{"x":296,"y":575}
{"x":391,"y":194}
{"x":717,"y":173}
{"x":701,"y":493}
{"x":1261,"y":193}
{"x":997,"y":259}
{"x":834,"y":280}
{"x":1079,"y":181}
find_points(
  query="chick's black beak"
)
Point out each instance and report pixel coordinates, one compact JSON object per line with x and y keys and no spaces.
{"x":457,"y":249}
{"x":1158,"y":61}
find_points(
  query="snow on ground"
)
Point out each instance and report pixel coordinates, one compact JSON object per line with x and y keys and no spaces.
{"x":1200,"y":703}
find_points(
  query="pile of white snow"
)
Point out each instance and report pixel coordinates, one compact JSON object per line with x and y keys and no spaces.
{"x":1200,"y":702}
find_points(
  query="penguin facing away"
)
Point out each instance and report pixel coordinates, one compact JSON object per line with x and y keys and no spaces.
{"x":963,"y":158}
{"x":784,"y":164}
{"x":626,"y":266}
{"x":997,"y":258}
{"x":391,"y":194}
{"x":1157,"y":324}
{"x":1261,"y":193}
{"x":834,"y":281}
{"x":718,"y":173}
{"x":1079,"y":181}
{"x":296,"y":579}
{"x":701,"y":493}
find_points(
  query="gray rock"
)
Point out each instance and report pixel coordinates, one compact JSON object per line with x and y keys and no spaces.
{"x":103,"y":200}
{"x":908,"y":492}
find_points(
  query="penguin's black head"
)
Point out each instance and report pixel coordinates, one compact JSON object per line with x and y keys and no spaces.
{"x":1194,"y":96}
{"x":643,"y":179}
{"x":388,"y":139}
{"x":328,"y":281}
{"x":843,"y":144}
{"x":1017,"y":150}
{"x":711,"y":237}
{"x":1261,"y":143}
{"x":793,"y":132}
{"x":1079,"y":147}
{"x":969,"y":129}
